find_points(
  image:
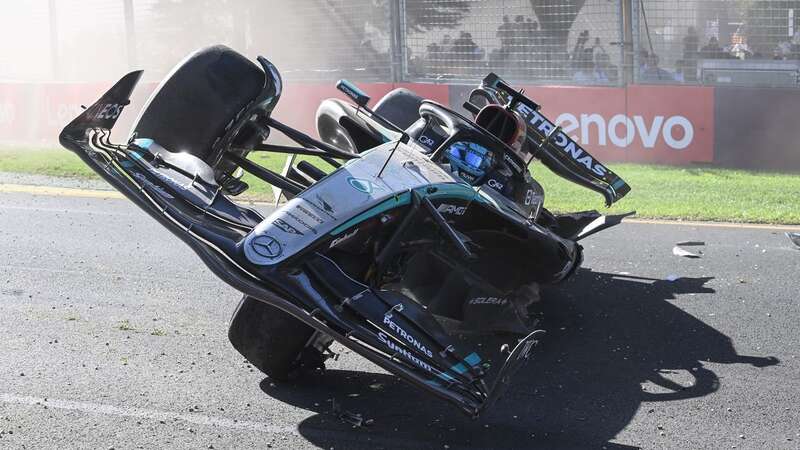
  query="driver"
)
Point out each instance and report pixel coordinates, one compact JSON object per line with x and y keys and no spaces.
{"x":470,"y":161}
{"x":477,"y":164}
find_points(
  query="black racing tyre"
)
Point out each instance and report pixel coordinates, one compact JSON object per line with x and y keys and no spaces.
{"x":400,"y":106}
{"x":191,"y":108}
{"x":272,"y":340}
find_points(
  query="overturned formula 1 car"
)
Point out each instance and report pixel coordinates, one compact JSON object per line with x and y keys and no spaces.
{"x":422,"y":250}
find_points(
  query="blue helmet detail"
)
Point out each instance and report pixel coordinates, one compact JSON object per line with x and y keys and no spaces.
{"x":470,"y":160}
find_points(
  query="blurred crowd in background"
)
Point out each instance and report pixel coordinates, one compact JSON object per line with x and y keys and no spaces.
{"x":577,"y":42}
{"x":524,"y":50}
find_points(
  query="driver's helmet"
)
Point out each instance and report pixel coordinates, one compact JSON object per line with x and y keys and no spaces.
{"x":471,"y":161}
{"x":506,"y":125}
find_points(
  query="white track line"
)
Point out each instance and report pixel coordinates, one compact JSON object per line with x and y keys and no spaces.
{"x":150,"y":414}
{"x":684,"y":223}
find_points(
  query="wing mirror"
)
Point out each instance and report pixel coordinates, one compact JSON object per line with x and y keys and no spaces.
{"x":351,"y":90}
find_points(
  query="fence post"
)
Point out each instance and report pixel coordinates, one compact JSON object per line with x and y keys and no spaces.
{"x":396,"y":51}
{"x":55,"y":70}
{"x":242,"y":14}
{"x":634,"y":47}
{"x":130,"y":34}
{"x":626,"y":46}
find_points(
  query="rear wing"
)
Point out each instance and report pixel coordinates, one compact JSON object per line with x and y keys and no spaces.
{"x":554,"y":148}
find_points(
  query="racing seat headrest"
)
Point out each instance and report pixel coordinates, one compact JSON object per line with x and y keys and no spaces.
{"x":504,"y":124}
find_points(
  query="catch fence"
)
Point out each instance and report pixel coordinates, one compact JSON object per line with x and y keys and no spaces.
{"x":564,"y":42}
{"x":555,"y":42}
{"x":719,"y":42}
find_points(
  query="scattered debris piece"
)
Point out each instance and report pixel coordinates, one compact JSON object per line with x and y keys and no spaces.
{"x":125,"y":326}
{"x":794,"y":237}
{"x":354,"y":419}
{"x":672,"y":278}
{"x":678,"y":251}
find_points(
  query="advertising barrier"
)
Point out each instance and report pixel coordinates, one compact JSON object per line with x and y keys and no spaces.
{"x":747,"y":128}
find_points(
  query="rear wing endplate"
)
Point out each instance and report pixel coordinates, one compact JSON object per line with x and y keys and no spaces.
{"x":555,"y":148}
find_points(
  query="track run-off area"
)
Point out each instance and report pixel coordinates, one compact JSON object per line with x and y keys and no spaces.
{"x":115,"y":335}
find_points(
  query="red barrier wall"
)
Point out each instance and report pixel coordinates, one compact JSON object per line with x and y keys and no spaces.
{"x":36,"y":113}
{"x":653,"y":124}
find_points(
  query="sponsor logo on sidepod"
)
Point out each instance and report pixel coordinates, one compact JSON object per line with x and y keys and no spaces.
{"x":444,"y":208}
{"x":286,"y":227}
{"x":403,"y":351}
{"x":360,"y":185}
{"x":488,"y":301}
{"x":343,"y":238}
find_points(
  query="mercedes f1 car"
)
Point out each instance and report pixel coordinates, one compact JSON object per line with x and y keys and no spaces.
{"x":421,"y":250}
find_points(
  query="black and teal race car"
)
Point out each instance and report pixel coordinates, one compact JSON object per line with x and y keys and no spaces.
{"x":422,"y":251}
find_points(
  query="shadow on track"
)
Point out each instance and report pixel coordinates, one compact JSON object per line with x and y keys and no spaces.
{"x":605,"y":353}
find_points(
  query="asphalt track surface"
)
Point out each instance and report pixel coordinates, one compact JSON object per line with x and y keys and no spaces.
{"x":114,"y":335}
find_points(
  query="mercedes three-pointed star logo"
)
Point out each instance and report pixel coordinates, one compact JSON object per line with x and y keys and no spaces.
{"x":267,"y":246}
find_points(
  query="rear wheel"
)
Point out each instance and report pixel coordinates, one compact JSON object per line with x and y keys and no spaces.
{"x":272,"y":340}
{"x":329,"y":114}
{"x":400,"y":106}
{"x":338,"y":125}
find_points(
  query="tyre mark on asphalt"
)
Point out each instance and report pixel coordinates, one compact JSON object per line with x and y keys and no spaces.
{"x":144,"y":413}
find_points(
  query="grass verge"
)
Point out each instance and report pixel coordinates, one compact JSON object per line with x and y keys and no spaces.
{"x":706,"y":194}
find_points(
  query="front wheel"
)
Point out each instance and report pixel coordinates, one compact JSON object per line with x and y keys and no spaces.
{"x":272,"y":340}
{"x":191,"y":109}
